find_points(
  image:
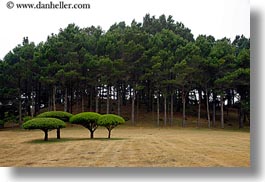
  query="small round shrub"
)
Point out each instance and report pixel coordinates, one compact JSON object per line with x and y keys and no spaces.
{"x":110,"y":121}
{"x":86,"y":119}
{"x":65,"y":116}
{"x":44,"y":124}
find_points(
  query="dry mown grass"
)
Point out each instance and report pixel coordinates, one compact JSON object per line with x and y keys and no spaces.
{"x":129,"y":147}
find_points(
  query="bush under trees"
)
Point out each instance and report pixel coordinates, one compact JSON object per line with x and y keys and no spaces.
{"x":64,"y":116}
{"x":110,"y":121}
{"x":44,"y":124}
{"x":8,"y":117}
{"x":88,"y":120}
{"x":26,"y":118}
{"x":2,"y":123}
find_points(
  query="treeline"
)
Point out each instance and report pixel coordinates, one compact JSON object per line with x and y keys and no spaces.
{"x":156,"y":65}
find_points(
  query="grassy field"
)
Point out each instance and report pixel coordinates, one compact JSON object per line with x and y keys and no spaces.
{"x":129,"y":147}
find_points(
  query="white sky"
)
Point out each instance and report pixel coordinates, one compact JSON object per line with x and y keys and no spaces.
{"x":220,"y":18}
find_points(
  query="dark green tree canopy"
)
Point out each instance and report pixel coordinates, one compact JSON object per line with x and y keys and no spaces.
{"x":154,"y":62}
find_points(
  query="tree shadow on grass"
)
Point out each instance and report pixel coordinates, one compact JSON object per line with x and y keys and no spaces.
{"x":106,"y":139}
{"x":62,"y":140}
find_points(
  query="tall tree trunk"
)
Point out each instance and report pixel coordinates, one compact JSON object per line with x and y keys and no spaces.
{"x":38,"y":96}
{"x":49,"y":102}
{"x":195,"y":97}
{"x":108,"y":99}
{"x":222,"y":110}
{"x":207,"y":106}
{"x":133,"y":105}
{"x":65,"y":99}
{"x":28,"y":95}
{"x":20,"y":108}
{"x":77,"y":106}
{"x":199,"y":108}
{"x":96,"y":100}
{"x":124,"y":93}
{"x":245,"y":117}
{"x":183,"y":109}
{"x":153,"y":109}
{"x":165,"y":110}
{"x":33,"y":100}
{"x":171,"y":109}
{"x":130,"y":93}
{"x":157,"y":110}
{"x":241,"y":118}
{"x":233,"y":97}
{"x":214,"y":113}
{"x":82,"y":101}
{"x":149,"y":98}
{"x":71,"y":99}
{"x":91,"y":99}
{"x":101,"y":95}
{"x":54,"y":98}
{"x":137,"y":106}
{"x":119,"y":101}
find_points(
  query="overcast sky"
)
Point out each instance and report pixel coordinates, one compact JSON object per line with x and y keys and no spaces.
{"x":220,"y":18}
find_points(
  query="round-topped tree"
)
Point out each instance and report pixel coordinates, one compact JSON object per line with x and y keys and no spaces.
{"x":64,"y":116}
{"x":86,"y":119}
{"x":44,"y":124}
{"x":110,"y":121}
